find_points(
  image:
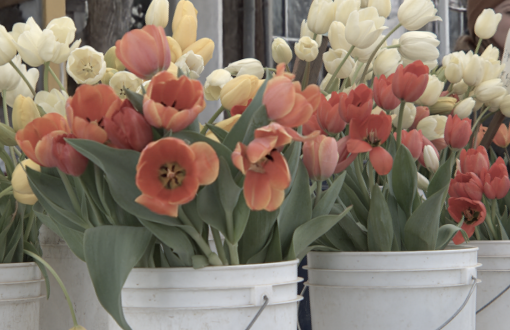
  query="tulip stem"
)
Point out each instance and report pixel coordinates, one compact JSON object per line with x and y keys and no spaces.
{"x":59,"y":281}
{"x":22,"y":77}
{"x":371,"y":177}
{"x":219,"y":246}
{"x":400,"y":121}
{"x":287,"y":67}
{"x":45,"y":76}
{"x":376,"y":50}
{"x":6,"y":191}
{"x":478,"y":45}
{"x":331,"y":81}
{"x":213,"y":118}
{"x":62,"y":88}
{"x":30,"y":223}
{"x":6,"y":117}
{"x":318,"y":193}
{"x":306,"y":76}
{"x":70,"y":191}
{"x":359,"y":175}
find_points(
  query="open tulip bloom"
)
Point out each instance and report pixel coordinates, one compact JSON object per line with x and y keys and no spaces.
{"x":357,"y":165}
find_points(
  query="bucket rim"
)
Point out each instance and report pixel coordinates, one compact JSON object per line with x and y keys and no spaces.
{"x":18,"y":264}
{"x":478,"y":265}
{"x":458,"y":250}
{"x":221,"y":268}
{"x":414,"y":287}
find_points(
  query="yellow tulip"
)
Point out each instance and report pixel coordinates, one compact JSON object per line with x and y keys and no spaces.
{"x":225,"y":125}
{"x":173,"y":69}
{"x":78,"y":327}
{"x":239,"y":90}
{"x":23,"y":112}
{"x":203,"y":47}
{"x":443,"y":106}
{"x":112,"y":61}
{"x":185,"y":24}
{"x":22,"y":191}
{"x":175,"y":49}
{"x":108,"y":75}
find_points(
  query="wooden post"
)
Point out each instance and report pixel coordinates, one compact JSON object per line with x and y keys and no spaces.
{"x":54,"y":9}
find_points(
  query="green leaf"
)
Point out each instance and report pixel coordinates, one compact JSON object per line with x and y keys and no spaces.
{"x":228,"y":190}
{"x":380,"y":223}
{"x":445,"y":235}
{"x":260,"y":224}
{"x":404,"y":179}
{"x":358,"y":207}
{"x":328,"y":199}
{"x":135,"y":99}
{"x":399,"y":220}
{"x":258,"y":120}
{"x":308,"y":232}
{"x":421,"y":229}
{"x":442,"y":177}
{"x":340,"y":239}
{"x":210,"y":209}
{"x":296,"y":209}
{"x":199,"y":261}
{"x":260,"y":256}
{"x":241,"y":216}
{"x":194,"y":126}
{"x":220,"y":133}
{"x":356,"y":234}
{"x":111,"y":252}
{"x":274,"y":249}
{"x":293,"y":156}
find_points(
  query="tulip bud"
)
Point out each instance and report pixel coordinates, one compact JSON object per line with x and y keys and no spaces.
{"x":415,"y":14}
{"x":203,"y":47}
{"x":489,"y":90}
{"x":419,"y":45}
{"x":158,"y":13}
{"x":487,"y":23}
{"x":386,"y":62}
{"x":305,"y":32}
{"x":191,"y":64}
{"x":465,"y":108}
{"x":185,"y":24}
{"x":443,"y":106}
{"x":108,"y":75}
{"x":281,"y":51}
{"x":23,"y":112}
{"x":336,"y":34}
{"x":344,"y":9}
{"x":320,"y":157}
{"x":490,"y":53}
{"x":112,"y":61}
{"x":320,"y":15}
{"x":239,"y":91}
{"x":433,"y":127}
{"x":383,"y":6}
{"x":215,"y":82}
{"x":306,"y":49}
{"x":225,"y":125}
{"x":409,"y":115}
{"x":249,"y":66}
{"x":175,"y":49}
{"x":7,"y":46}
{"x":473,"y":70}
{"x":430,"y":159}
{"x":504,"y":106}
{"x":423,"y":182}
{"x":21,"y":188}
{"x":124,"y":80}
{"x":332,"y":59}
{"x":453,"y":67}
{"x":431,"y":94}
{"x":363,"y":31}
{"x":460,"y":88}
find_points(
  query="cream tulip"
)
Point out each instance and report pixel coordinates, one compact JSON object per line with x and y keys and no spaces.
{"x":143,"y":87}
{"x":239,"y":91}
{"x":383,"y":6}
{"x":504,"y":106}
{"x":32,"y":76}
{"x":430,"y":158}
{"x":443,"y":106}
{"x":487,"y":23}
{"x":320,"y":15}
{"x":175,"y":49}
{"x":306,"y":49}
{"x":423,"y":182}
{"x":419,"y":45}
{"x":9,"y":78}
{"x":185,"y":23}
{"x":492,"y":69}
{"x":86,"y":65}
{"x":491,"y":53}
{"x":432,"y":92}
{"x":52,"y":102}
{"x":191,"y":64}
{"x":489,"y":90}
{"x":361,"y":29}
{"x":332,"y":59}
{"x":7,"y":46}
{"x":249,"y":66}
{"x":409,"y":115}
{"x":432,"y":127}
{"x":363,"y":55}
{"x":386,"y":62}
{"x":64,"y":30}
{"x":453,"y":67}
{"x":464,"y":108}
{"x":158,"y":13}
{"x":345,"y":8}
{"x":21,"y":188}
{"x":473,"y":69}
{"x":336,"y":35}
{"x":203,"y":47}
{"x":415,"y":14}
{"x":108,"y":75}
{"x":215,"y":82}
{"x":495,"y":103}
{"x":112,"y":61}
{"x":460,"y":88}
{"x":305,"y":32}
{"x":123,"y":80}
{"x":23,"y":112}
{"x":281,"y":52}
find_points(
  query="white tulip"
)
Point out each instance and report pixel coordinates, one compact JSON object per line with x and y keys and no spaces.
{"x":215,"y":82}
{"x":453,"y":67}
{"x":320,"y":15}
{"x":423,"y":182}
{"x":361,"y":29}
{"x":144,"y":85}
{"x":473,"y":69}
{"x":7,"y":46}
{"x":464,"y":108}
{"x":492,"y":69}
{"x":326,"y":81}
{"x":430,"y":158}
{"x":281,"y":51}
{"x":305,"y":32}
{"x":495,"y":103}
{"x":489,"y":90}
{"x":409,"y":115}
{"x":383,"y":6}
{"x":54,"y":101}
{"x":345,"y":8}
{"x":86,"y":65}
{"x":332,"y":59}
{"x":415,"y":14}
{"x":32,"y":76}
{"x":248,"y":66}
{"x":419,"y":45}
{"x":504,"y":106}
{"x":359,"y":69}
{"x":460,"y":88}
{"x":487,"y":23}
{"x":123,"y":80}
{"x":431,"y":64}
{"x":386,"y":62}
{"x":432,"y":92}
{"x":491,"y":53}
{"x":191,"y":64}
{"x":9,"y":78}
{"x":363,"y":55}
{"x":158,"y":13}
{"x":306,"y":49}
{"x":432,"y":127}
{"x":336,"y":35}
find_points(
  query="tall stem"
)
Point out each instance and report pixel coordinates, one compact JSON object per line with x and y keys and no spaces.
{"x":318,"y":193}
{"x":62,"y":88}
{"x":331,"y":81}
{"x":211,"y":121}
{"x":306,"y":76}
{"x":6,"y":118}
{"x":371,"y":177}
{"x":234,"y":254}
{"x":59,"y":281}
{"x":400,"y":121}
{"x":219,"y":246}
{"x":376,"y":50}
{"x":23,"y":77}
{"x":45,"y":76}
{"x":478,"y":45}
{"x":359,"y":175}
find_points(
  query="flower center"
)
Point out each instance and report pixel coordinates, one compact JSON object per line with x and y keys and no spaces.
{"x":471,"y":216}
{"x":88,"y":68}
{"x":171,"y":175}
{"x":372,"y":138}
{"x":259,"y":166}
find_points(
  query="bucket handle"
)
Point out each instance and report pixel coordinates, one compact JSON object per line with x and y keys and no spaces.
{"x":266,"y":301}
{"x":475,"y":280}
{"x":493,"y":300}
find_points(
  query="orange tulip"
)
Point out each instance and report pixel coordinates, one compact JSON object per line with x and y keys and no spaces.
{"x":320,"y":157}
{"x":173,"y":103}
{"x":286,"y":104}
{"x":479,"y":136}
{"x":285,"y":135}
{"x":43,"y":141}
{"x":357,"y":104}
{"x":457,"y":131}
{"x":145,"y":51}
{"x":345,"y":157}
{"x":86,"y":111}
{"x":410,"y":82}
{"x":169,"y":173}
{"x":327,"y":118}
{"x":421,"y":112}
{"x":502,"y":138}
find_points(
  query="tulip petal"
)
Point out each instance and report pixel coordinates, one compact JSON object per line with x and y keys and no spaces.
{"x":277,"y":197}
{"x":381,"y":160}
{"x":257,"y":190}
{"x":157,"y":206}
{"x":207,"y":163}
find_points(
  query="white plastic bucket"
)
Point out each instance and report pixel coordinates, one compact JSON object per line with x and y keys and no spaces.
{"x":212,"y":298}
{"x":20,"y":295}
{"x":495,"y":275}
{"x":392,"y":290}
{"x":73,"y":272}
